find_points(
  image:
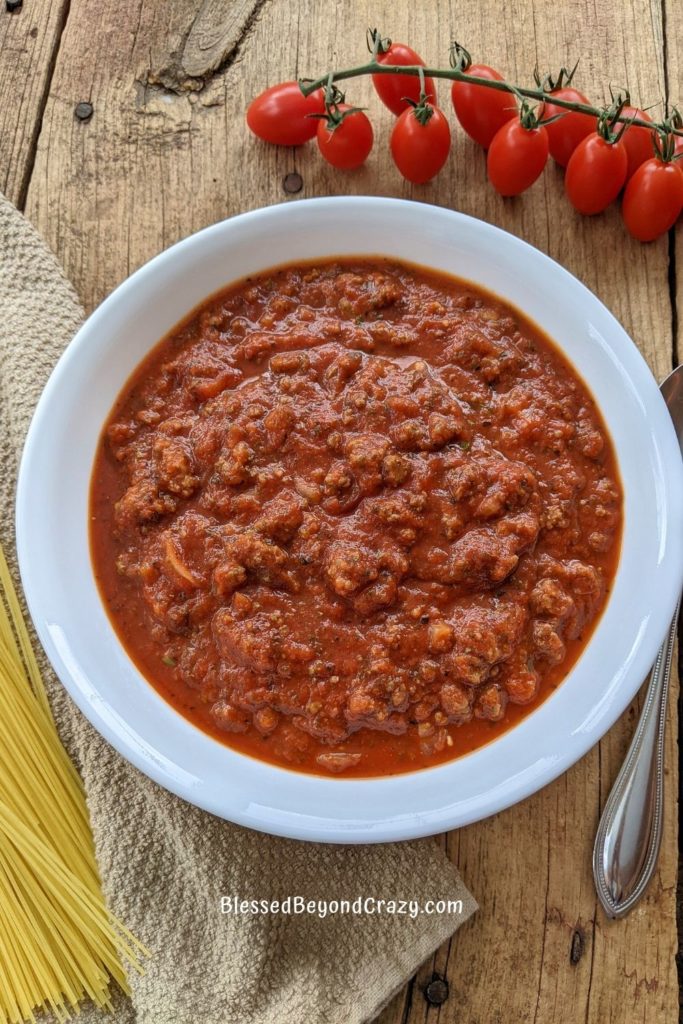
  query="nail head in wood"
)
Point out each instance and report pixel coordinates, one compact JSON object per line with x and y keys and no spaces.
{"x":436,"y":991}
{"x":13,"y":5}
{"x":83,"y":111}
{"x":292,"y":182}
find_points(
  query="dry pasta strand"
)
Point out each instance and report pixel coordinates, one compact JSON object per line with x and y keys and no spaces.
{"x":14,"y":608}
{"x":58,"y":942}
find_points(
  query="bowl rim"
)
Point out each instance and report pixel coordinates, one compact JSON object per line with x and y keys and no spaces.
{"x":85,"y":694}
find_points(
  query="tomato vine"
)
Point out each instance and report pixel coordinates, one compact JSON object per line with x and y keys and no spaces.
{"x":601,"y":147}
{"x":457,"y":72}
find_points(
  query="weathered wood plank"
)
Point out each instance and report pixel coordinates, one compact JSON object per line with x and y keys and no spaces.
{"x":674,"y":71}
{"x":159,"y":160}
{"x":674,"y":77}
{"x":29,"y":39}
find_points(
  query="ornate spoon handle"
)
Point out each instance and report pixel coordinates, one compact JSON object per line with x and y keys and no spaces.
{"x":630,"y":830}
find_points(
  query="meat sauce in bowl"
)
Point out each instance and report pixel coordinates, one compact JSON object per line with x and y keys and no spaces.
{"x":355,"y":517}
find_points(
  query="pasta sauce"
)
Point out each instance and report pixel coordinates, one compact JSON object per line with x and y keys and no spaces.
{"x":355,"y":517}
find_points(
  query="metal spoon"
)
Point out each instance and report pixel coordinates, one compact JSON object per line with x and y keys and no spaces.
{"x":630,"y":831}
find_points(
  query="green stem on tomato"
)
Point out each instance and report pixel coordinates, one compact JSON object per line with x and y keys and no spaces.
{"x":455,"y":75}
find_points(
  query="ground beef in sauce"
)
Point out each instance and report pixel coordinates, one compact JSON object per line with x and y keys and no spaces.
{"x":355,"y":517}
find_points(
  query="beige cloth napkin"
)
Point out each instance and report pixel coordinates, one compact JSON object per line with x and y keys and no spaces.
{"x":164,"y":863}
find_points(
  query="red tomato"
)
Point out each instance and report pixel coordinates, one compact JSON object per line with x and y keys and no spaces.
{"x":637,"y":141}
{"x":516,"y":157}
{"x":420,"y":150}
{"x":596,"y":173}
{"x":570,"y":128}
{"x":348,"y":144}
{"x":280,"y":114}
{"x":678,"y":152}
{"x":480,"y":110}
{"x":653,"y":199}
{"x":393,"y":89}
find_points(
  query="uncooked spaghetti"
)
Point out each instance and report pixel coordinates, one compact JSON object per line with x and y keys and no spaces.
{"x":58,"y":942}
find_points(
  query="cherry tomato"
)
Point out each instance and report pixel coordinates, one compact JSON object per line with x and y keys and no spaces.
{"x":516,"y":157}
{"x":393,"y":89}
{"x":280,"y":114}
{"x":570,"y":128}
{"x":596,"y":173}
{"x":637,"y":141}
{"x":420,"y":150}
{"x":480,"y":110}
{"x":348,"y":144}
{"x":678,"y":152}
{"x":653,"y":199}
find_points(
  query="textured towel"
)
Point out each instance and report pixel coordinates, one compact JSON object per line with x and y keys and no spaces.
{"x":166,"y":864}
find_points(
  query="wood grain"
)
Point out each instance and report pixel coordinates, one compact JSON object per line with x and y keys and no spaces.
{"x":29,"y":39}
{"x":166,"y":152}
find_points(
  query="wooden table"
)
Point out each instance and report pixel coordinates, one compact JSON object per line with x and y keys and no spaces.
{"x":166,"y":152}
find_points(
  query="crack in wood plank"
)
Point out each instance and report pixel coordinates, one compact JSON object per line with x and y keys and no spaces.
{"x":675,"y":359}
{"x":672,"y":277}
{"x":409,"y":992}
{"x":33,"y":147}
{"x":29,"y":44}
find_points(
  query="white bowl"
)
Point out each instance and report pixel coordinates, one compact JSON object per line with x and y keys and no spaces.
{"x":52,"y":525}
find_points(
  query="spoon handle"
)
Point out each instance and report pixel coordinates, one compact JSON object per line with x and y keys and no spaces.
{"x":630,"y":830}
